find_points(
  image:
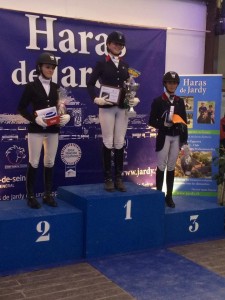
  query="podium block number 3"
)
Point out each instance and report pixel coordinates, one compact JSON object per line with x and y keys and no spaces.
{"x":43,"y":228}
{"x":194,"y":224}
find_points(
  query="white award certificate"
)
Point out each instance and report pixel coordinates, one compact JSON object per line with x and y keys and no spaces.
{"x":112,"y":93}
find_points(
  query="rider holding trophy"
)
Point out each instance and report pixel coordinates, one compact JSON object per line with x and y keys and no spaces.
{"x":43,"y":130}
{"x":112,"y":73}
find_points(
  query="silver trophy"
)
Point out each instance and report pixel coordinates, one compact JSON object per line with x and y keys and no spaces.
{"x":131,"y":88}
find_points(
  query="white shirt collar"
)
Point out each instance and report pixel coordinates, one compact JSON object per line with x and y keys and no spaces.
{"x":44,"y":80}
{"x":114,"y":59}
{"x":45,"y":84}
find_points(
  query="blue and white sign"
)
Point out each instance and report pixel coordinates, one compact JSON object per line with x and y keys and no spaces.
{"x":195,"y":169}
{"x":77,"y":44}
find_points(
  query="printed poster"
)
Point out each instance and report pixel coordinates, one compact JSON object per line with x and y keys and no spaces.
{"x":195,"y":169}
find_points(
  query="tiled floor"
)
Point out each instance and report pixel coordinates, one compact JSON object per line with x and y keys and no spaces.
{"x":84,"y":282}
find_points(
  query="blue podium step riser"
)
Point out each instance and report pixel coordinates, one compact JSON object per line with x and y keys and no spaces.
{"x":194,"y":225}
{"x":151,"y":225}
{"x":91,"y":222}
{"x":33,"y":239}
{"x":118,"y":222}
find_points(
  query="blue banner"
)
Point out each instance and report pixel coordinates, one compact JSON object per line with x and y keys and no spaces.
{"x":77,"y":44}
{"x":195,"y":169}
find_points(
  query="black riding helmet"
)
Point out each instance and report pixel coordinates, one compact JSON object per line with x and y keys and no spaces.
{"x":45,"y":58}
{"x":116,"y":37}
{"x":171,"y":76}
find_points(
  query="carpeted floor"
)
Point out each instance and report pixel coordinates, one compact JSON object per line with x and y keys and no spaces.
{"x":163,"y":274}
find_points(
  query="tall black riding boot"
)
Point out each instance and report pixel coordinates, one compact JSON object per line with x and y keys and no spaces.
{"x":30,"y":182}
{"x":159,"y":179}
{"x":169,"y":184}
{"x":107,"y":166}
{"x":118,"y":160}
{"x":48,"y":179}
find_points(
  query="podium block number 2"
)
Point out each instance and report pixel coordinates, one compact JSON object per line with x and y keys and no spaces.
{"x":43,"y":228}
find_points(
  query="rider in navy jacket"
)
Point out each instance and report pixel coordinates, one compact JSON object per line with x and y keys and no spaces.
{"x":40,"y":94}
{"x":112,"y":71}
{"x":171,"y":135}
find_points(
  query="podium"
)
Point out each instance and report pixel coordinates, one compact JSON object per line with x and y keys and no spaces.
{"x":118,"y":222}
{"x":36,"y":238}
{"x":90,"y":222}
{"x":193,"y":219}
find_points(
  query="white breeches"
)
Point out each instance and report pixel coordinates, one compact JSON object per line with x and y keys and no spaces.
{"x":50,"y":142}
{"x":113,"y":123}
{"x":167,"y":157}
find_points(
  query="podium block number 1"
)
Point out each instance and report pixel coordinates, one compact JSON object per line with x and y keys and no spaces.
{"x":128,"y":210}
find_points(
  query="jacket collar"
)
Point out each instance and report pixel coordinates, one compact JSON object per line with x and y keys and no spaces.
{"x":108,"y":58}
{"x":164,"y":97}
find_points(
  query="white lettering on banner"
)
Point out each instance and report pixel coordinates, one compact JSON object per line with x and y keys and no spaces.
{"x":5,"y":198}
{"x":193,"y":86}
{"x":68,"y":44}
{"x":70,"y":79}
{"x":34,"y":32}
{"x":17,"y":197}
{"x":6,"y":186}
{"x":194,"y":225}
{"x":69,"y":41}
{"x":43,"y":227}
{"x":22,"y":196}
{"x":199,"y":90}
{"x":83,"y":37}
{"x":139,"y":172}
{"x":189,"y":82}
{"x":6,"y":179}
{"x":19,"y":75}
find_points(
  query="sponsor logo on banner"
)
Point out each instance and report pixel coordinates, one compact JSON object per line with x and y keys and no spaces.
{"x":70,"y":155}
{"x":15,"y":155}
